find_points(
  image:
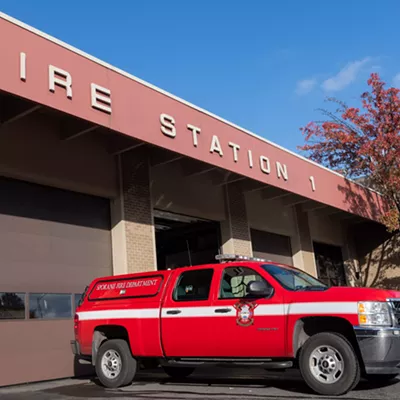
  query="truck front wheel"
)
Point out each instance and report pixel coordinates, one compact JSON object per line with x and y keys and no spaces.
{"x":329,"y":364}
{"x":178,"y":372}
{"x":115,"y":366}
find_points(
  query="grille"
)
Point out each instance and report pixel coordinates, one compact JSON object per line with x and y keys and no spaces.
{"x":396,"y":305}
{"x":396,"y":311}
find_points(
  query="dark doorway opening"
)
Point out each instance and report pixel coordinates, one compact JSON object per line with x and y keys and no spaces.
{"x":330,"y":265}
{"x":185,"y":241}
{"x":271,"y":246}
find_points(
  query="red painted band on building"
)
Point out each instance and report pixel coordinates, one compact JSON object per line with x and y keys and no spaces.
{"x":45,"y":72}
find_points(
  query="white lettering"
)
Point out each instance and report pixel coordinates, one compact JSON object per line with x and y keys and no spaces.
{"x":125,"y":285}
{"x":312,"y":183}
{"x":216,"y":146}
{"x":22,"y":66}
{"x":282,"y":170}
{"x":168,"y":125}
{"x":235,"y":148}
{"x":101,"y":98}
{"x":149,"y":282}
{"x":59,"y":77}
{"x":106,"y":286}
{"x":195,"y":131}
{"x":250,"y":155}
{"x":265,"y":165}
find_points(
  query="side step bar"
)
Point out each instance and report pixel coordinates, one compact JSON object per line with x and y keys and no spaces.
{"x":266,"y":363}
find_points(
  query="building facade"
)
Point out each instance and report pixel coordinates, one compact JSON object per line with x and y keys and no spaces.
{"x":101,"y":173}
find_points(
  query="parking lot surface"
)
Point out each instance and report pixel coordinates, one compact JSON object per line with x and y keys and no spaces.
{"x":209,"y":384}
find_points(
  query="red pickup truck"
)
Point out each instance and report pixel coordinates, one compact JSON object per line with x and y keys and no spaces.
{"x":239,"y":312}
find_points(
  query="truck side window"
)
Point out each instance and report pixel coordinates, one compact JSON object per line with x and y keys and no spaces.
{"x":235,"y":280}
{"x":193,"y":285}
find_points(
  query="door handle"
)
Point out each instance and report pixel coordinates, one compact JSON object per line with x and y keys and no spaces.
{"x":222,"y":310}
{"x":173,"y":312}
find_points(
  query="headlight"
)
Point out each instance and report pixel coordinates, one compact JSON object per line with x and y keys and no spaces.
{"x":374,"y":313}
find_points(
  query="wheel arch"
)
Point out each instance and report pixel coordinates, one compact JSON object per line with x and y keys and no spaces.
{"x":102,"y":333}
{"x":308,"y":326}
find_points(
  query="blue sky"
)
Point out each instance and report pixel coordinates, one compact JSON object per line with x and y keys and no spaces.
{"x":266,"y":65}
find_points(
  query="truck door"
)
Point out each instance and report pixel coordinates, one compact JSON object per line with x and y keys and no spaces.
{"x":186,"y":317}
{"x":246,"y":326}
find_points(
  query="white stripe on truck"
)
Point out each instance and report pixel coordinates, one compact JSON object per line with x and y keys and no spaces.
{"x":119,"y":314}
{"x":326,"y":308}
{"x":339,"y":307}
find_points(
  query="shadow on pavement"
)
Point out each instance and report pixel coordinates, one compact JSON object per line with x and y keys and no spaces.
{"x":193,"y":387}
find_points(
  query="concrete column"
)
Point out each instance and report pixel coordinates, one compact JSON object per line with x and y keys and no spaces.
{"x":351,"y":265}
{"x":235,"y":231}
{"x":133,"y":233}
{"x":302,"y":246}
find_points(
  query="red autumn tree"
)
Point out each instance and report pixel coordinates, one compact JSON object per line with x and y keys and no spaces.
{"x":363,"y":143}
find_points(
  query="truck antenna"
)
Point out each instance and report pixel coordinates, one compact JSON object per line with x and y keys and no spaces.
{"x":188,"y":249}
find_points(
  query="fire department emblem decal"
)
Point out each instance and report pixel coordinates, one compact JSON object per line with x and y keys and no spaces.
{"x":245,"y":313}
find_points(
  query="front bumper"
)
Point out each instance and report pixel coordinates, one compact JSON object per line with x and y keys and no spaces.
{"x":380,"y":349}
{"x":75,"y":348}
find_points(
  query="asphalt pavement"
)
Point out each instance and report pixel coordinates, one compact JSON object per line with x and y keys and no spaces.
{"x":209,"y":384}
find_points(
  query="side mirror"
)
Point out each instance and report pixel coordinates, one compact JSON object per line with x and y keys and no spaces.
{"x":259,"y":289}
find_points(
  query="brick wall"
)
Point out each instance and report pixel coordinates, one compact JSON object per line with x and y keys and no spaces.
{"x":378,"y":255}
{"x":302,"y":245}
{"x":137,"y":212}
{"x":235,"y":230}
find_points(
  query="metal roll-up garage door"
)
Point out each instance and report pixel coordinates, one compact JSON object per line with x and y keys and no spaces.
{"x":271,"y":246}
{"x":52,"y":244}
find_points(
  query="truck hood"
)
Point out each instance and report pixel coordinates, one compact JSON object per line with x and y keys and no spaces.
{"x":336,"y":294}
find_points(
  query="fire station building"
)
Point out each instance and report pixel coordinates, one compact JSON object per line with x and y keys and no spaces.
{"x":102,"y":173}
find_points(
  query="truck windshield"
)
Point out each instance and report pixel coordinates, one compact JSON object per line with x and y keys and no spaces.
{"x":294,"y":279}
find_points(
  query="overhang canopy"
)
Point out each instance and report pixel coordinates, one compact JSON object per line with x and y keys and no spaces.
{"x":48,"y":72}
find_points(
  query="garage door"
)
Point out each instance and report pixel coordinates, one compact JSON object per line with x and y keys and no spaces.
{"x":271,"y":246}
{"x":52,"y":244}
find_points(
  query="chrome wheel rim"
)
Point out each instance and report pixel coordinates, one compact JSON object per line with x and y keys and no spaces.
{"x":111,"y":364}
{"x":326,"y":364}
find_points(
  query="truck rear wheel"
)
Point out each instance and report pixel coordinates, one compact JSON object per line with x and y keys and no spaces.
{"x":178,"y":372}
{"x":329,"y":364}
{"x":115,"y":366}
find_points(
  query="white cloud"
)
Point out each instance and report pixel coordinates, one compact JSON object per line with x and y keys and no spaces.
{"x":396,"y":80}
{"x":305,"y":86}
{"x":345,"y":76}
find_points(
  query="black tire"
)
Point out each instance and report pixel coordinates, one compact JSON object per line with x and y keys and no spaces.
{"x":377,"y":378}
{"x":349,"y":376}
{"x":178,"y":372}
{"x":128,"y":364}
